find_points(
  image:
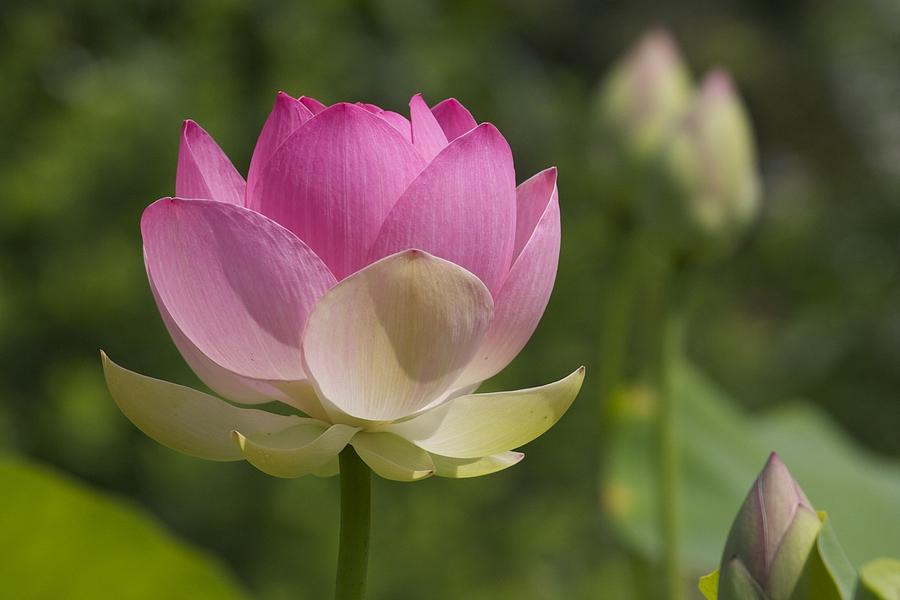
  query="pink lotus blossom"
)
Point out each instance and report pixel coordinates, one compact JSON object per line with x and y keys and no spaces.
{"x":371,"y":272}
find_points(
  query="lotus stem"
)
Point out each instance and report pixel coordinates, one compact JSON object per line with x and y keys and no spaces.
{"x":353,"y":554}
{"x":617,"y":320}
{"x":671,"y":348}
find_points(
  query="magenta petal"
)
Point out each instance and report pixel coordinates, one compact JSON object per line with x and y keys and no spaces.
{"x":533,"y":198}
{"x":521,"y":301}
{"x":454,"y":118}
{"x":372,"y":108}
{"x":427,"y":135}
{"x":286,"y":117}
{"x":462,"y":207}
{"x":222,"y":381}
{"x":203,"y":169}
{"x":237,"y":285}
{"x":398,"y":122}
{"x":333,"y":182}
{"x":234,"y":387}
{"x":312,"y":104}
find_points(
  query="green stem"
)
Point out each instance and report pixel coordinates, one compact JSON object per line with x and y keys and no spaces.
{"x":353,"y":555}
{"x":616,"y":325}
{"x":671,"y":347}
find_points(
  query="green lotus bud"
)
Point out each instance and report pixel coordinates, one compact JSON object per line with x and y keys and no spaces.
{"x":644,"y":96}
{"x":770,"y":540}
{"x":708,"y":190}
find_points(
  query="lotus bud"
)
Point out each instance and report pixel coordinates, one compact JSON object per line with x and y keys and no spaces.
{"x":643,"y":97}
{"x":708,"y":192}
{"x":770,"y":540}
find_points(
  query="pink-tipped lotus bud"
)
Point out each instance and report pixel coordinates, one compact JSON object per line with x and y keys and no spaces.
{"x":643,"y":97}
{"x":770,"y":540}
{"x":709,"y":191}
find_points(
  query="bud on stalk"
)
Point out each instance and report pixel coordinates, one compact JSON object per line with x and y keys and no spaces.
{"x":645,"y":94}
{"x":707,"y":191}
{"x":770,"y":540}
{"x":639,"y":102}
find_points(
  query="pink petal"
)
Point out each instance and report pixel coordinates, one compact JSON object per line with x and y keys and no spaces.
{"x":232,"y":386}
{"x":454,"y":118}
{"x":203,"y":169}
{"x":312,"y":104}
{"x":395,"y":120}
{"x":520,"y":303}
{"x":391,"y":338}
{"x":398,"y":122}
{"x":286,"y":117}
{"x":427,"y":135}
{"x":222,"y":381}
{"x":372,"y":108}
{"x":237,"y":285}
{"x":462,"y":207}
{"x":533,"y":198}
{"x":334,"y":181}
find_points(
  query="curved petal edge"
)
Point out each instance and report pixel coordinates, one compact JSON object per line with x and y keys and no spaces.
{"x":462,"y":468}
{"x":479,"y":425}
{"x":393,"y":337}
{"x":392,"y":457}
{"x":303,"y":449}
{"x":184,"y":419}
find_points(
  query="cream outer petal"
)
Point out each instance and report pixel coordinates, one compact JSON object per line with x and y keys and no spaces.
{"x":303,"y":449}
{"x":462,"y":468}
{"x":392,"y":457}
{"x":184,"y":419}
{"x":479,"y":425}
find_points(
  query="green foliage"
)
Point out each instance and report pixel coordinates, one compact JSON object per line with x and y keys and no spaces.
{"x":721,"y":450}
{"x":709,"y":585}
{"x":64,"y":540}
{"x":831,"y":577}
{"x":879,"y":580}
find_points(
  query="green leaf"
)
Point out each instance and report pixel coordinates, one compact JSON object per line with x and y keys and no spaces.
{"x":879,"y":580}
{"x":709,"y":585}
{"x":722,"y":450}
{"x":64,"y":540}
{"x":831,"y":575}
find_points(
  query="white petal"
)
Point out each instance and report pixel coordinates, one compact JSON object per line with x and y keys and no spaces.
{"x":478,"y":425}
{"x":391,"y":338}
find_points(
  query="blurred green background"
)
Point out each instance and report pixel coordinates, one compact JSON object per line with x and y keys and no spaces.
{"x":92,"y":96}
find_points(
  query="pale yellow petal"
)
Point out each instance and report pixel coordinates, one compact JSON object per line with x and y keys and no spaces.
{"x":184,"y":419}
{"x":479,"y":425}
{"x":303,"y":449}
{"x":392,"y":457}
{"x":461,"y":468}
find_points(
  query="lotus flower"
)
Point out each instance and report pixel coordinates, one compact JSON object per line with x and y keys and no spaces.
{"x":371,"y":272}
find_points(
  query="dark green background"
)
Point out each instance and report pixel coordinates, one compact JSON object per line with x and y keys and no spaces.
{"x":92,"y":96}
